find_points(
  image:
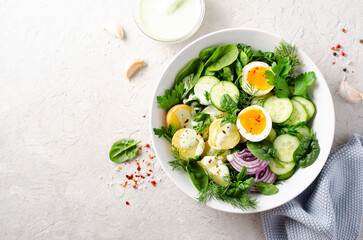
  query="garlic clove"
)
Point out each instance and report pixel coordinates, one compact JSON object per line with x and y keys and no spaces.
{"x":349,"y":93}
{"x":132,"y":67}
{"x":115,"y":29}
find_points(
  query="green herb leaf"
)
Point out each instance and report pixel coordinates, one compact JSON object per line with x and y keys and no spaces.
{"x":289,"y":129}
{"x":278,"y":77}
{"x":227,"y":73}
{"x":266,"y":188}
{"x":227,"y":104}
{"x":238,"y":68}
{"x":206,"y":53}
{"x":178,"y":162}
{"x":197,"y":175}
{"x":286,"y":50}
{"x":123,"y":150}
{"x":307,"y":152}
{"x":303,"y":81}
{"x":222,"y":57}
{"x":166,"y":132}
{"x":203,"y":120}
{"x":263,"y":150}
{"x":241,"y":175}
{"x":171,"y":97}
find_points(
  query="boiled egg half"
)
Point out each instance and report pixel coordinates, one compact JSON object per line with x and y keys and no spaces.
{"x":254,"y":80}
{"x":254,"y":123}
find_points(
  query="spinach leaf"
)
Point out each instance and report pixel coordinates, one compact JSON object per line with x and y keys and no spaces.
{"x":266,"y":188}
{"x":206,"y":53}
{"x":166,"y":132}
{"x":223,"y":56}
{"x":203,"y":120}
{"x":247,"y":54}
{"x":238,"y":68}
{"x":197,"y":175}
{"x":243,"y":58}
{"x":278,"y":77}
{"x":269,"y":57}
{"x":227,"y":73}
{"x":303,"y":81}
{"x":190,"y":75}
{"x":123,"y":150}
{"x":307,"y":152}
{"x":263,"y":150}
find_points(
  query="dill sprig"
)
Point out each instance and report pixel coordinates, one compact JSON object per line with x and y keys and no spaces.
{"x":178,"y":162}
{"x":285,"y":49}
{"x":244,"y":202}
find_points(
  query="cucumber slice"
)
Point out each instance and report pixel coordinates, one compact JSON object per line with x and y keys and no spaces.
{"x":259,"y":101}
{"x":280,"y":109}
{"x":204,"y":85}
{"x":286,"y":175}
{"x":285,"y":146}
{"x":271,"y":137}
{"x":298,"y":114}
{"x":308,"y":105}
{"x":303,"y":132}
{"x":222,"y":88}
{"x":281,"y":168}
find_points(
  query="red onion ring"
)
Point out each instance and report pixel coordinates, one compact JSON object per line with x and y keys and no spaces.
{"x":246,"y":158}
{"x":264,"y":176}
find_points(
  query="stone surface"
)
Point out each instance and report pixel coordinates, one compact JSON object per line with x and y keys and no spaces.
{"x":64,"y":100}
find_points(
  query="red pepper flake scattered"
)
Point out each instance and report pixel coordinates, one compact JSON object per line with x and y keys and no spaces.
{"x":127,"y":203}
{"x":148,"y":174}
{"x":343,"y":54}
{"x":352,"y":71}
{"x":125,"y":184}
{"x":333,"y":63}
{"x":147,"y":145}
{"x":153,"y":183}
{"x":142,"y":176}
{"x":210,"y":160}
{"x":147,"y":164}
{"x":333,"y":48}
{"x":138,"y":168}
{"x":217,"y":166}
{"x":343,"y":30}
{"x":186,"y":121}
{"x":135,"y":181}
{"x":134,"y":186}
{"x":223,"y":131}
{"x":138,"y":152}
{"x":140,"y":147}
{"x":150,"y":170}
{"x":144,"y":116}
{"x":197,"y":140}
{"x":129,"y":177}
{"x":338,"y":46}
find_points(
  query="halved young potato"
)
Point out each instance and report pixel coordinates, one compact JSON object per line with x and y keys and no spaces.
{"x":225,"y":137}
{"x":191,"y":150}
{"x":181,"y":116}
{"x":216,"y":169}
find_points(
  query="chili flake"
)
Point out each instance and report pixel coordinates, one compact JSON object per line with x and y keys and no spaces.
{"x":338,"y":46}
{"x":138,"y":168}
{"x":148,"y":164}
{"x":147,"y":145}
{"x":153,"y":183}
{"x":333,"y":63}
{"x":223,"y":131}
{"x":125,"y":184}
{"x":127,"y":203}
{"x":148,"y":174}
{"x":134,"y":186}
{"x":343,"y":54}
{"x":150,"y":170}
{"x":333,"y":48}
{"x":144,"y":116}
{"x":129,"y":177}
{"x":343,"y":30}
{"x":210,"y":160}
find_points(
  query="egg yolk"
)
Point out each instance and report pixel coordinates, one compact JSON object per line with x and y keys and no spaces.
{"x":256,"y":77}
{"x":253,"y":120}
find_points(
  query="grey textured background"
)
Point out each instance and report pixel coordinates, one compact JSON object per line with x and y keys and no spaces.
{"x":64,"y":100}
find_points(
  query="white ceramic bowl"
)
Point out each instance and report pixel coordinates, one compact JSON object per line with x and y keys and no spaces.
{"x":323,"y":122}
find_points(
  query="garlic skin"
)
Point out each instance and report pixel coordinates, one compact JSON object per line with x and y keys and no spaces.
{"x":349,"y":93}
{"x":132,"y":67}
{"x":115,"y":29}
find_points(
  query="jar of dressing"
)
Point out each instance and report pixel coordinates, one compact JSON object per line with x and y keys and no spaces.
{"x":168,"y":21}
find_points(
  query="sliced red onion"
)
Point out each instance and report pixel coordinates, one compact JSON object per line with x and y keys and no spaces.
{"x":246,"y":158}
{"x":264,"y":176}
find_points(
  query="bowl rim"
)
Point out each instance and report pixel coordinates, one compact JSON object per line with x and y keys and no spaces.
{"x":154,"y":95}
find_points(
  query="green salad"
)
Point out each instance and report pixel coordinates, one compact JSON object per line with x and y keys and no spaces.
{"x":237,"y":121}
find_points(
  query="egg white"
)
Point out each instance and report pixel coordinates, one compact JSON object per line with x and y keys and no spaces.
{"x":249,"y":136}
{"x":245,"y":83}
